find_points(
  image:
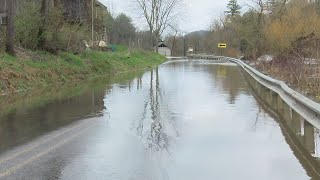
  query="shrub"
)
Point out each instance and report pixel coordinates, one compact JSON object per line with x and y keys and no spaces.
{"x":27,"y":24}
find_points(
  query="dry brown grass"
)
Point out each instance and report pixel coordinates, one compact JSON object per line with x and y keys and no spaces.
{"x":300,"y":76}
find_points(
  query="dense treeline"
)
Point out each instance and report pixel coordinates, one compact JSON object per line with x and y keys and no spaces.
{"x":280,"y":28}
{"x":277,"y":27}
{"x":280,"y":36}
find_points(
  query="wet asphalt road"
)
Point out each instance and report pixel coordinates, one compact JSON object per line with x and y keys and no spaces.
{"x":182,"y":121}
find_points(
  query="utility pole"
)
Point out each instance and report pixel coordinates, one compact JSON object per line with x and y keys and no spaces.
{"x":10,"y":27}
{"x":184,"y":46}
{"x":92,"y":21}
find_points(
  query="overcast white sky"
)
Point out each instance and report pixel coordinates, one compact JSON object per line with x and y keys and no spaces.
{"x":199,"y":13}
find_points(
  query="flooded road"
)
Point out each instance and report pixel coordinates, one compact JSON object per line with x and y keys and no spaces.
{"x":184,"y":120}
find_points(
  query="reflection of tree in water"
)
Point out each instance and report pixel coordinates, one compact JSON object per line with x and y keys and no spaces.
{"x":139,"y":83}
{"x":154,"y":135}
{"x":229,"y":78}
{"x":140,"y":126}
{"x":157,"y":136}
{"x":317,"y":144}
{"x":155,"y":111}
{"x":232,"y":82}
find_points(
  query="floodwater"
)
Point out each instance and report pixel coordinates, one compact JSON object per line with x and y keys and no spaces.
{"x":184,"y":120}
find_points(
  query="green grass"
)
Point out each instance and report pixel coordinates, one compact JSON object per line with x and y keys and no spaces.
{"x":40,"y":69}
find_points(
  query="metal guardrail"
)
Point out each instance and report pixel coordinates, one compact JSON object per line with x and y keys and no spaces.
{"x":304,"y":106}
{"x":206,"y":56}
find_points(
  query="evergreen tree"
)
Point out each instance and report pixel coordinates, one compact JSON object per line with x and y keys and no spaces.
{"x":234,"y":8}
{"x":124,"y":29}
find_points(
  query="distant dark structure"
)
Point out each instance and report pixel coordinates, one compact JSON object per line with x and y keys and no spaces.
{"x":75,"y":11}
{"x":3,"y":7}
{"x":80,"y":11}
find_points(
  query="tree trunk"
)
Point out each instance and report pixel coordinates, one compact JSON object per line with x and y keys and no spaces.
{"x":42,"y":29}
{"x":152,"y":41}
{"x":157,"y":36}
{"x":56,"y":3}
{"x":173,"y":46}
{"x":174,"y":43}
{"x":10,"y":28}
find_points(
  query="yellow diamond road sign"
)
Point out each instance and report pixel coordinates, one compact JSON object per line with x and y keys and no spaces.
{"x":222,"y":45}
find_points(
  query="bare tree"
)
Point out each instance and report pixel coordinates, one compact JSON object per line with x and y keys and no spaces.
{"x":44,"y":13}
{"x":159,"y":14}
{"x":258,"y":8}
{"x":10,"y":28}
{"x":173,"y":38}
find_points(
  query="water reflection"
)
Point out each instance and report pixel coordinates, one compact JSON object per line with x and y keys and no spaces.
{"x":230,"y":81}
{"x":156,"y":138}
{"x":317,"y":144}
{"x":225,"y":78}
{"x":302,"y":137}
{"x":21,"y":125}
{"x":27,"y":116}
{"x":183,"y":120}
{"x":195,"y":115}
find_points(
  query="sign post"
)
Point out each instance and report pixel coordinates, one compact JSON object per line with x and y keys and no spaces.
{"x":222,"y":46}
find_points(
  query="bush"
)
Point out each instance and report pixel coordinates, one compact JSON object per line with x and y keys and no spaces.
{"x":27,"y":23}
{"x":72,"y":37}
{"x":58,"y":34}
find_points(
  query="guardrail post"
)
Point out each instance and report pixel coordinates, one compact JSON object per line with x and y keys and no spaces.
{"x":274,"y":100}
{"x":261,"y":91}
{"x":259,"y":88}
{"x":269,"y":96}
{"x":287,"y":111}
{"x":296,"y":123}
{"x":253,"y":82}
{"x":280,"y":104}
{"x":309,"y":137}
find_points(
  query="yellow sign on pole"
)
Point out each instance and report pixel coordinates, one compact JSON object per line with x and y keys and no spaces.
{"x":222,"y":45}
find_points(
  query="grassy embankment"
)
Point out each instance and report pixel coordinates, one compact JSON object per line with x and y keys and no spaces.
{"x":30,"y":70}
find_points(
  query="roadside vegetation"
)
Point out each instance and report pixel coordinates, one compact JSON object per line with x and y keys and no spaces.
{"x":43,"y":45}
{"x":41,"y":69}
